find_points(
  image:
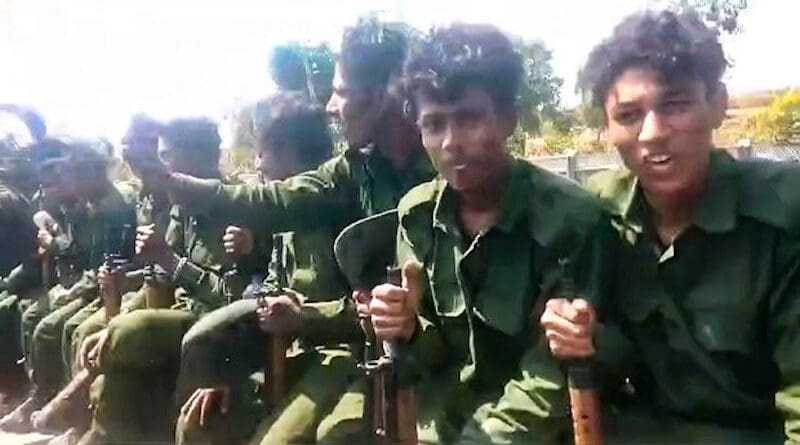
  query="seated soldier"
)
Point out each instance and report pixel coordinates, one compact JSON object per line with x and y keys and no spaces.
{"x":709,"y":299}
{"x":92,"y":207}
{"x":141,"y":349}
{"x":19,"y":265}
{"x":69,"y":409}
{"x":490,"y":235}
{"x":292,"y":137}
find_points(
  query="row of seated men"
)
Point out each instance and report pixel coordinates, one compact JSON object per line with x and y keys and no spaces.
{"x":240,"y":312}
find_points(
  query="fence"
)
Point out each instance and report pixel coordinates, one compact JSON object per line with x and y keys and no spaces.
{"x":580,"y":166}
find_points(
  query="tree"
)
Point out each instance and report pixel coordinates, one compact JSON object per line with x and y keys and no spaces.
{"x":780,"y":122}
{"x":291,"y":64}
{"x":540,"y":93}
{"x":723,"y":15}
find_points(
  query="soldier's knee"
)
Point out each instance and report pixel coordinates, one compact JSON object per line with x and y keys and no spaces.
{"x":338,"y":431}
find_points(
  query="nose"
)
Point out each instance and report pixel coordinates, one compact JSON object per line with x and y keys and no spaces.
{"x":451,"y":140}
{"x":654,"y":127}
{"x":332,"y":107}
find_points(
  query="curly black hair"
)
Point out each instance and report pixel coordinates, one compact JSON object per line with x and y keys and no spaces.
{"x":372,"y":54}
{"x":198,"y":134}
{"x":675,"y":45}
{"x":459,"y":56}
{"x":289,"y":119}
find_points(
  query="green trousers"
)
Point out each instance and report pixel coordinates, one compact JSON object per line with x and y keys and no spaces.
{"x":49,"y":372}
{"x":225,"y":348}
{"x":12,"y":374}
{"x":135,"y":399}
{"x":88,"y":321}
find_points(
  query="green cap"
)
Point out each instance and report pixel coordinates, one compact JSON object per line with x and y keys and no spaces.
{"x":366,"y":248}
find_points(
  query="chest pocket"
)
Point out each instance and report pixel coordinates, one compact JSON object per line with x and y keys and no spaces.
{"x":721,"y":308}
{"x":503,"y":299}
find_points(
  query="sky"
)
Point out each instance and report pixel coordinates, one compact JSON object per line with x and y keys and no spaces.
{"x":87,"y":65}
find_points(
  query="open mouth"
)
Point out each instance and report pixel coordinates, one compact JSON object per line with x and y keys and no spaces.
{"x":658,"y":159}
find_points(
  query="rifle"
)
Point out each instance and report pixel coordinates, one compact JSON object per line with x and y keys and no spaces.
{"x":157,"y":296}
{"x":392,"y":403}
{"x":365,"y":252}
{"x":583,"y":398}
{"x":275,"y":385}
{"x":119,"y":249}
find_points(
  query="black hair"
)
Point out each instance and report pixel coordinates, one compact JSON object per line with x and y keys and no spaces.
{"x":459,"y":56}
{"x":675,"y":45}
{"x":197,"y":134}
{"x":372,"y":54}
{"x":289,"y":119}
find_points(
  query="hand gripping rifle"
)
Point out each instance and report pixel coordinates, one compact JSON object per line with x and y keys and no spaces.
{"x":275,"y":385}
{"x":117,"y":258}
{"x":583,"y":398}
{"x":365,"y":251}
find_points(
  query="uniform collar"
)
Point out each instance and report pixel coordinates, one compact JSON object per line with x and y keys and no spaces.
{"x":377,"y":162}
{"x":716,"y":210}
{"x":513,"y":207}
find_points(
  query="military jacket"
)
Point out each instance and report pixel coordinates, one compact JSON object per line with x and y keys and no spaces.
{"x":711,"y":322}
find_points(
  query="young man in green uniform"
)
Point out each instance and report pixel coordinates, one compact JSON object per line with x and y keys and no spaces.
{"x":19,"y":266}
{"x":141,"y":349}
{"x":709,"y":296}
{"x":384,"y":160}
{"x":491,"y":235}
{"x":292,"y":137}
{"x":92,"y":209}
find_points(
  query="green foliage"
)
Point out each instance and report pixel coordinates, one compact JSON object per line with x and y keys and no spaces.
{"x":516,"y":142}
{"x":780,"y":122}
{"x":292,"y":63}
{"x":723,"y":15}
{"x":242,"y":122}
{"x":540,"y":97}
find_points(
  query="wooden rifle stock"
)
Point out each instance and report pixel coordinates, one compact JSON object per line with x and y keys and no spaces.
{"x":584,"y":403}
{"x":584,"y":400}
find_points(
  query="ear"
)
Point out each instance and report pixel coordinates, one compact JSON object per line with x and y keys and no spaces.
{"x":719,"y":105}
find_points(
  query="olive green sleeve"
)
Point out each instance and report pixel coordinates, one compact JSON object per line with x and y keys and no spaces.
{"x":322,"y":197}
{"x":534,"y":406}
{"x":330,"y":322}
{"x":209,"y":286}
{"x":784,"y":326}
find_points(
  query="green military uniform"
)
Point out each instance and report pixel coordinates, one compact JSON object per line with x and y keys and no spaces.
{"x":712,"y":320}
{"x":358,"y":183}
{"x":233,"y":347}
{"x":19,"y":271}
{"x":143,"y":346}
{"x":483,"y":292}
{"x":87,"y":227}
{"x":92,"y":318}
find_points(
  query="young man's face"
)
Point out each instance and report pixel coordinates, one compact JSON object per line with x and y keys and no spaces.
{"x":663,"y":130}
{"x":357,"y":111}
{"x":58,"y":179}
{"x":465,"y":139}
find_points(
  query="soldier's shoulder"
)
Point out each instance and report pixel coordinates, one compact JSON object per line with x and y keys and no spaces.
{"x":613,"y":187}
{"x":420,"y":197}
{"x":770,"y":193}
{"x":559,"y":193}
{"x":560,"y":210}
